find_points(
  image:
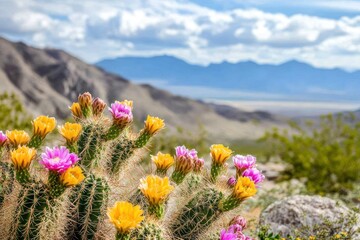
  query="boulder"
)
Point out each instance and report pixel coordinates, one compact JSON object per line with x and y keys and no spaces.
{"x":296,"y":212}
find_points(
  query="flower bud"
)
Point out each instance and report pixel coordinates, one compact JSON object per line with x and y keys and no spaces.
{"x":98,"y":106}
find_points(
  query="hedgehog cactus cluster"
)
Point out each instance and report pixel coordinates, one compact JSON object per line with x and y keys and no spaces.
{"x":91,"y":185}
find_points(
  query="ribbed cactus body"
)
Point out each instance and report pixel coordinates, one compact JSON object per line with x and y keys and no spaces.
{"x":89,"y":145}
{"x":193,"y":181}
{"x":7,"y":177}
{"x":148,"y":231}
{"x":198,"y":214}
{"x":142,"y":140}
{"x":122,"y":150}
{"x":29,"y":213}
{"x":90,"y":199}
{"x":35,"y":142}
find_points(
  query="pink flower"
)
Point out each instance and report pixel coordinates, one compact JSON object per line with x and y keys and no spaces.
{"x":3,"y":138}
{"x":231,"y":182}
{"x":228,"y":235}
{"x":244,"y":162}
{"x":58,"y":159}
{"x":234,"y":232}
{"x":192,"y":153}
{"x":121,"y":113}
{"x":181,"y":151}
{"x":240,"y":221}
{"x":254,"y":174}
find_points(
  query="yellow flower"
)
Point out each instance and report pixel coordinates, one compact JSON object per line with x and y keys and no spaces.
{"x":72,"y":176}
{"x":127,"y":103}
{"x":244,"y":188}
{"x":155,"y":189}
{"x":22,"y":157}
{"x":312,"y":238}
{"x":220,"y":153}
{"x":76,"y":110}
{"x":70,"y":131}
{"x":125,"y":216}
{"x":163,"y":161}
{"x":43,"y":125}
{"x":153,"y":124}
{"x":18,"y":137}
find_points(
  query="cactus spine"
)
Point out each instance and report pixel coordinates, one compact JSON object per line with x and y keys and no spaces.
{"x":33,"y":201}
{"x":7,"y":177}
{"x":198,"y":214}
{"x":148,"y":231}
{"x":88,"y":145}
{"x":90,"y":201}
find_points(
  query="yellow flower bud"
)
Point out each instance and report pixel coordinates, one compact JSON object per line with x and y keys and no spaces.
{"x":43,"y":125}
{"x":244,"y":188}
{"x":22,"y":157}
{"x":125,"y":216}
{"x":163,"y":161}
{"x":76,"y":110}
{"x":18,"y":137}
{"x":155,"y":189}
{"x":72,"y":176}
{"x":153,"y":124}
{"x":219,"y":153}
{"x":70,"y":131}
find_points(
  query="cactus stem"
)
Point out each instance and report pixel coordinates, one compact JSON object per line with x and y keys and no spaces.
{"x":216,"y":170}
{"x":35,"y":141}
{"x":23,"y":176}
{"x":113,"y":132}
{"x":142,"y":139}
{"x":157,"y":210}
{"x":122,"y":236}
{"x":178,"y":177}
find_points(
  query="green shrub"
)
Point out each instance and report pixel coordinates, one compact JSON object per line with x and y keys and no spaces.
{"x":13,"y":115}
{"x":326,"y":154}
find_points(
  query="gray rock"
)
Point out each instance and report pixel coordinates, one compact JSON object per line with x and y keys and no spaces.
{"x":296,"y":212}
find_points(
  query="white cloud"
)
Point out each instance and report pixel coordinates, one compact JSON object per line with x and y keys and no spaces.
{"x":95,"y":30}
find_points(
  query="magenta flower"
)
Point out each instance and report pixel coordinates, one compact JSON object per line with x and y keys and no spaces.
{"x":231,"y":182}
{"x":58,"y":159}
{"x":181,"y":151}
{"x":121,"y":113}
{"x":254,"y":174}
{"x":228,"y":235}
{"x":233,"y":232}
{"x":244,"y":162}
{"x":3,"y":138}
{"x":192,"y":153}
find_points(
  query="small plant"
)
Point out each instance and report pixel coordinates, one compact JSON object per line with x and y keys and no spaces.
{"x":325,"y":154}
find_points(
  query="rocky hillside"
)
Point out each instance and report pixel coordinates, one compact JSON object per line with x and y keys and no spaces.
{"x":48,"y":80}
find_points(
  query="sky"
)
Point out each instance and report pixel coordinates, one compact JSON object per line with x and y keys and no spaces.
{"x":324,"y":33}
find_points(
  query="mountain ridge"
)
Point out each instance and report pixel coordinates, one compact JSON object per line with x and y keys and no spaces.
{"x":48,"y":80}
{"x":293,"y":80}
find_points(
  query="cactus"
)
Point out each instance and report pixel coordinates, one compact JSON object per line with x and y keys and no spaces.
{"x":90,"y":200}
{"x":121,"y":151}
{"x":7,"y":178}
{"x":107,"y":151}
{"x":148,"y":231}
{"x":88,"y":145}
{"x":29,"y":213}
{"x":198,"y":214}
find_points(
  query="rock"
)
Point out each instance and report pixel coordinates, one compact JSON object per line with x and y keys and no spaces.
{"x":287,"y":215}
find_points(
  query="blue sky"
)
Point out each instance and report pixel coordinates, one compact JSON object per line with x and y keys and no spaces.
{"x":324,"y":33}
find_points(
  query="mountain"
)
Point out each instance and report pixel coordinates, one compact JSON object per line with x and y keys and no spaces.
{"x":48,"y":80}
{"x":291,"y":80}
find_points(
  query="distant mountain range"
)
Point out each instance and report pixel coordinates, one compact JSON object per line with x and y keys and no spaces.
{"x":292,"y":80}
{"x":48,"y":80}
